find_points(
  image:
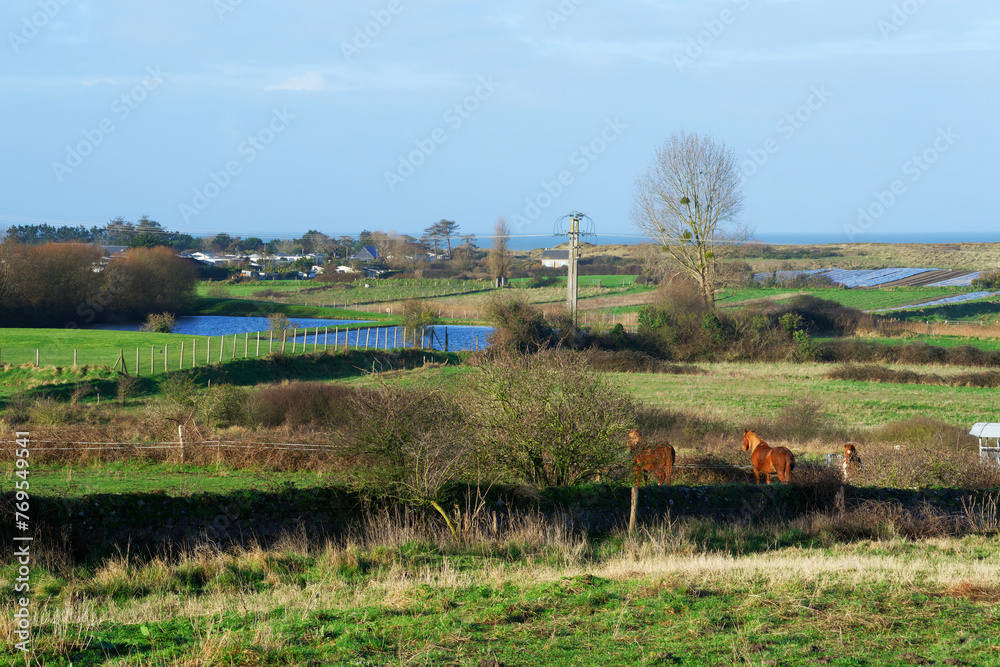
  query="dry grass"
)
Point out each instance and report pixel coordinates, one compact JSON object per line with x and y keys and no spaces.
{"x":962,"y":329}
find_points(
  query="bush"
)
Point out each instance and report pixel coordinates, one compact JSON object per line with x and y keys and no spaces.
{"x":418,"y":316}
{"x":127,"y":387}
{"x":541,"y":281}
{"x":547,"y":420}
{"x":406,"y":444}
{"x":517,"y":325}
{"x":988,"y":280}
{"x":159,"y":323}
{"x":279,"y":324}
{"x":304,"y":403}
{"x":228,"y":405}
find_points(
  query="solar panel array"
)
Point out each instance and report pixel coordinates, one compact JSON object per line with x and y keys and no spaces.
{"x":951,"y":299}
{"x":961,"y":281}
{"x":871,"y":278}
{"x":851,"y":277}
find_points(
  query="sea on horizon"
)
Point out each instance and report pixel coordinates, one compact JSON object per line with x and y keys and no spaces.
{"x":777,"y":238}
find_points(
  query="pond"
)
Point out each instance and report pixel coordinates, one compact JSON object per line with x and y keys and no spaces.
{"x":330,"y":332}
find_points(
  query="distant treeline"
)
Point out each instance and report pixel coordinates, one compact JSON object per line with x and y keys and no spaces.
{"x":65,"y":285}
{"x":145,"y":233}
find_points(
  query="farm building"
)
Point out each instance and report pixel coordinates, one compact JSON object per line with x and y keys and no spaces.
{"x":555,"y":258}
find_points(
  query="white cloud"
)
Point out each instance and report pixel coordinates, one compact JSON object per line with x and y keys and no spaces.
{"x":310,"y":81}
{"x":95,"y":82}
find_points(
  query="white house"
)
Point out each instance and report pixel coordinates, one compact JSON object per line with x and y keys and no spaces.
{"x":555,"y":258}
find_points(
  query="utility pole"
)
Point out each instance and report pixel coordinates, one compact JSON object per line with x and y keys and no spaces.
{"x":574,"y":232}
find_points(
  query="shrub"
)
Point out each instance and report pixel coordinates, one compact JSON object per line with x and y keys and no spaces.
{"x":921,"y":353}
{"x":988,"y":280}
{"x":872,"y":373}
{"x":541,"y":281}
{"x":418,"y":316}
{"x":159,"y":323}
{"x":517,"y":325}
{"x":802,"y":420}
{"x":304,"y":403}
{"x":127,"y":387}
{"x":279,"y":323}
{"x":228,"y":405}
{"x":406,"y":444}
{"x":547,"y":420}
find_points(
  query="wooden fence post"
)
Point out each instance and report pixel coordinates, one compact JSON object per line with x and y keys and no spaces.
{"x":74,"y":358}
{"x":294,"y":340}
{"x":258,"y":345}
{"x":165,"y":357}
{"x":180,"y":364}
{"x":634,"y":509}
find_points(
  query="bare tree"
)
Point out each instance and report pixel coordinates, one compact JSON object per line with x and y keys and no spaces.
{"x":689,"y":200}
{"x":499,"y":261}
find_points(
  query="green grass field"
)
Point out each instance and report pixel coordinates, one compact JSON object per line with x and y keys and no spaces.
{"x":745,"y":394}
{"x":56,"y":348}
{"x":861,"y":299}
{"x":684,"y":594}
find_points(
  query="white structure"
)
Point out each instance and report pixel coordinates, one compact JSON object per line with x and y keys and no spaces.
{"x":985,"y":432}
{"x":555,"y":258}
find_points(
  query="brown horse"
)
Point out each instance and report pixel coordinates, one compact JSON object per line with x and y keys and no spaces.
{"x":852,"y":462}
{"x":767,"y":459}
{"x":658,"y":459}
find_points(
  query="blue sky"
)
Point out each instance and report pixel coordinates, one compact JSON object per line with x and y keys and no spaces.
{"x":853,"y":119}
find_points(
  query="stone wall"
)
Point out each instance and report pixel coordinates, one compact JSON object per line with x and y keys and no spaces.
{"x":157,"y":522}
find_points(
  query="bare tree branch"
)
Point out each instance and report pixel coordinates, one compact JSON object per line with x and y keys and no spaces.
{"x":689,"y":200}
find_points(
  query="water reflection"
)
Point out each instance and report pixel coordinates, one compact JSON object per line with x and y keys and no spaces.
{"x":317,"y":333}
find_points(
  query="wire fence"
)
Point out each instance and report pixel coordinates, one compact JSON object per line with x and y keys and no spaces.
{"x":199,"y":351}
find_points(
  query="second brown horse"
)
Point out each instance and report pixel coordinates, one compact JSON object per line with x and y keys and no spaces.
{"x":767,"y":459}
{"x":658,"y":459}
